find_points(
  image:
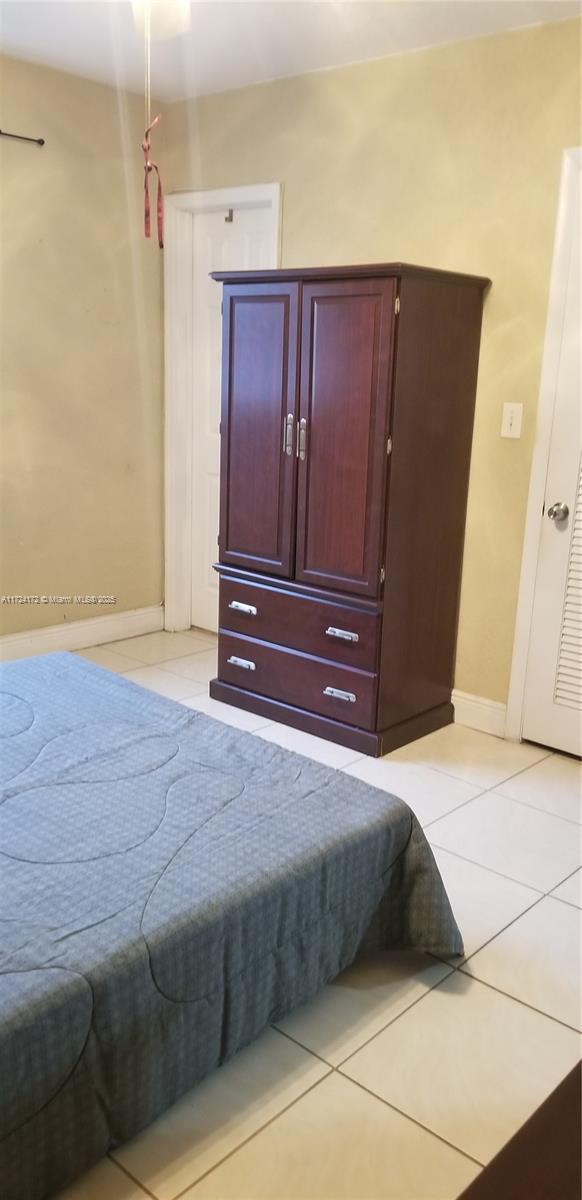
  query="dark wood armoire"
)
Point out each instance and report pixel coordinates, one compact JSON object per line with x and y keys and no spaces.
{"x":346,"y":425}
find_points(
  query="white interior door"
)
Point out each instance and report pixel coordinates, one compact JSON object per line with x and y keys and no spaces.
{"x":553,"y":691}
{"x":225,"y":240}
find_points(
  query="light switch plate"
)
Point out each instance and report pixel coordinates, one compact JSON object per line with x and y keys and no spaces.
{"x":511,"y":420}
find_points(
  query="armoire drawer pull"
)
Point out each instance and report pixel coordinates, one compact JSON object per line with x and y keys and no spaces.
{"x":244,"y":608}
{"x":339,"y":695}
{"x":328,"y":630}
{"x":242,"y":662}
{"x":343,"y":634}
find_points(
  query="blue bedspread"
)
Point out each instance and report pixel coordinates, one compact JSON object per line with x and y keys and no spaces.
{"x":169,"y":886}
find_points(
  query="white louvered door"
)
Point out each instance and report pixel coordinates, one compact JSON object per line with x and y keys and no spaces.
{"x":553,"y":694}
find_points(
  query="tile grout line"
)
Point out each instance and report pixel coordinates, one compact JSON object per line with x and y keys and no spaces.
{"x":392,"y":1020}
{"x":112,"y":647}
{"x":137,"y":662}
{"x":414,"y":1120}
{"x":467,"y":974}
{"x":204,"y":692}
{"x":174,"y":675}
{"x":452,"y":970}
{"x":163,"y":666}
{"x":338,"y":1070}
{"x":552,"y":895}
{"x":463,"y":804}
{"x":502,"y":992}
{"x":301,"y":1046}
{"x":468,"y":957}
{"x":81,"y":653}
{"x":560,"y":899}
{"x":420,"y":767}
{"x":516,"y":1000}
{"x":450,"y":812}
{"x":510,"y":996}
{"x":250,"y":1138}
{"x":565,"y":880}
{"x":536,"y":808}
{"x":110,"y":1155}
{"x":475,"y":782}
{"x":427,"y":824}
{"x":454,"y":967}
{"x":320,"y":762}
{"x":331,"y":1071}
{"x":510,"y":799}
{"x":492,"y":870}
{"x":522,"y":770}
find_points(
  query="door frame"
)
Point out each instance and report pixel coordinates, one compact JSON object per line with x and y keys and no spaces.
{"x":567,"y":215}
{"x":179,"y":399}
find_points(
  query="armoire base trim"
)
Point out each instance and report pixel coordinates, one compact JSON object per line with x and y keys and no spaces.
{"x":415,"y":727}
{"x":362,"y":740}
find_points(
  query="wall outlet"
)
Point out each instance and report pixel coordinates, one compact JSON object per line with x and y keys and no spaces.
{"x":511,"y":420}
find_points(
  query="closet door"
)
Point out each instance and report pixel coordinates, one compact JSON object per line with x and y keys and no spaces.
{"x":346,"y":360}
{"x":258,"y":422}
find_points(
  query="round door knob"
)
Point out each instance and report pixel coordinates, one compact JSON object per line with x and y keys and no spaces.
{"x":558,"y":512}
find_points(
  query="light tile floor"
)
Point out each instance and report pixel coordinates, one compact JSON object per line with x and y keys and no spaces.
{"x":405,"y":1076}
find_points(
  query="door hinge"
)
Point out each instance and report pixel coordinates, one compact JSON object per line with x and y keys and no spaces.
{"x":229,"y":218}
{"x":382,"y":574}
{"x":389,"y":447}
{"x":397,"y":305}
{"x":221,"y":308}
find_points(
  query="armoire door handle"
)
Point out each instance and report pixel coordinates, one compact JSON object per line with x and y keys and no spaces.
{"x":288,"y":434}
{"x":301,"y":438}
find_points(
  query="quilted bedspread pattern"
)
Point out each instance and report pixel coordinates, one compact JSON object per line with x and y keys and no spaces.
{"x":169,"y":886}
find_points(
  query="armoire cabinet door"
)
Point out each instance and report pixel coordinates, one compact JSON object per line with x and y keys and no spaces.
{"x":258,"y":424}
{"x":346,"y":358}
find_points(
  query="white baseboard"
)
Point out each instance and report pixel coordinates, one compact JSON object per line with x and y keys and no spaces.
{"x":486,"y":715}
{"x":77,"y":635}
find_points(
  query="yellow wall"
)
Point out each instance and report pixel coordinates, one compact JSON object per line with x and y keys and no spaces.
{"x":80,"y":351}
{"x":448,"y":157}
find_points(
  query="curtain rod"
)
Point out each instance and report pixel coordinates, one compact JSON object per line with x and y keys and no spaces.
{"x":20,"y":137}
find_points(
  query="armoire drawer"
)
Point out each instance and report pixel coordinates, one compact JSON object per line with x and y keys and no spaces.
{"x":342,"y":693}
{"x":348,"y":636}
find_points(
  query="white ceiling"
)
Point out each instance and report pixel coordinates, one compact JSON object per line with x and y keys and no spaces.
{"x":237,"y":42}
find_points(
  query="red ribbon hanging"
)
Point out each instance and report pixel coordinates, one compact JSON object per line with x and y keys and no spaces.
{"x":148,"y":167}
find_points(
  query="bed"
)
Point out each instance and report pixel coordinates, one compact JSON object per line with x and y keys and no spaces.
{"x":169,"y":887}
